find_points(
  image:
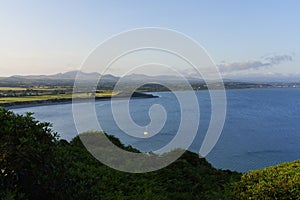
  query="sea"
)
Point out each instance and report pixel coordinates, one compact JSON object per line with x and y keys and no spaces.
{"x":262,"y":126}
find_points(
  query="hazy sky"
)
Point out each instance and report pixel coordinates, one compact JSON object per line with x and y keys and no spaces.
{"x":47,"y":37}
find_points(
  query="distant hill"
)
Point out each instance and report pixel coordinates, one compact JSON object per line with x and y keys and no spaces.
{"x":268,"y":78}
{"x":69,"y":77}
{"x":66,"y":75}
{"x":60,"y":79}
{"x":108,"y":81}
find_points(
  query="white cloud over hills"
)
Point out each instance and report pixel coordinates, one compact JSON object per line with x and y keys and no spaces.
{"x":264,"y":62}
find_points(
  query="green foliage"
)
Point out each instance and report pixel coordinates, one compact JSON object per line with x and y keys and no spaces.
{"x":36,"y":165}
{"x":276,"y":182}
{"x":26,"y":150}
{"x":190,"y":177}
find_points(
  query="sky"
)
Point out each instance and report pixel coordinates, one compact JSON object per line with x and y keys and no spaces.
{"x":242,"y":37}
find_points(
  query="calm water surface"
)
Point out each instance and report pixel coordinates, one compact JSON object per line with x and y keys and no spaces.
{"x":262,"y":126}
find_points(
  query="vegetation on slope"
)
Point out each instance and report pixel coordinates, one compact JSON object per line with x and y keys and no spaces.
{"x":35,"y":164}
{"x":275,"y":182}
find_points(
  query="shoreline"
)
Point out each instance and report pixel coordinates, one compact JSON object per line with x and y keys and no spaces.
{"x":49,"y":102}
{"x":135,"y":95}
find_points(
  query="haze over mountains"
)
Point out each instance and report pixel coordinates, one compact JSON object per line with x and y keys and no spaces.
{"x":71,"y":75}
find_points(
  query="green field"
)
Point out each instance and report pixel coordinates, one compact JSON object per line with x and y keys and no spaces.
{"x":50,"y":97}
{"x":33,"y":88}
{"x":12,"y":88}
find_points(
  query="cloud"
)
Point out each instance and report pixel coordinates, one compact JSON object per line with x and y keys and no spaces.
{"x":277,"y":59}
{"x":265,"y":62}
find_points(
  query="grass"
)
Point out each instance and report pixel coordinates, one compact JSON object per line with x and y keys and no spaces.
{"x":50,"y":97}
{"x":33,"y":88}
{"x":12,"y":88}
{"x":43,"y":88}
{"x":49,"y":88}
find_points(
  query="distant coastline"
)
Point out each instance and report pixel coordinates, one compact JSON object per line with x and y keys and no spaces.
{"x":120,"y":96}
{"x":25,"y":104}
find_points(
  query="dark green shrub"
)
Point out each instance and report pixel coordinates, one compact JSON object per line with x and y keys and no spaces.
{"x":276,"y":182}
{"x":26,"y":155}
{"x":36,"y":165}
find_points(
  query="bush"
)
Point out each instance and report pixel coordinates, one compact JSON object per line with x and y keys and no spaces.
{"x":26,"y":155}
{"x":36,"y":165}
{"x":276,"y":182}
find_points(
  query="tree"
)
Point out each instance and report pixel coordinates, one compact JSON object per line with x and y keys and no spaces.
{"x":26,"y":154}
